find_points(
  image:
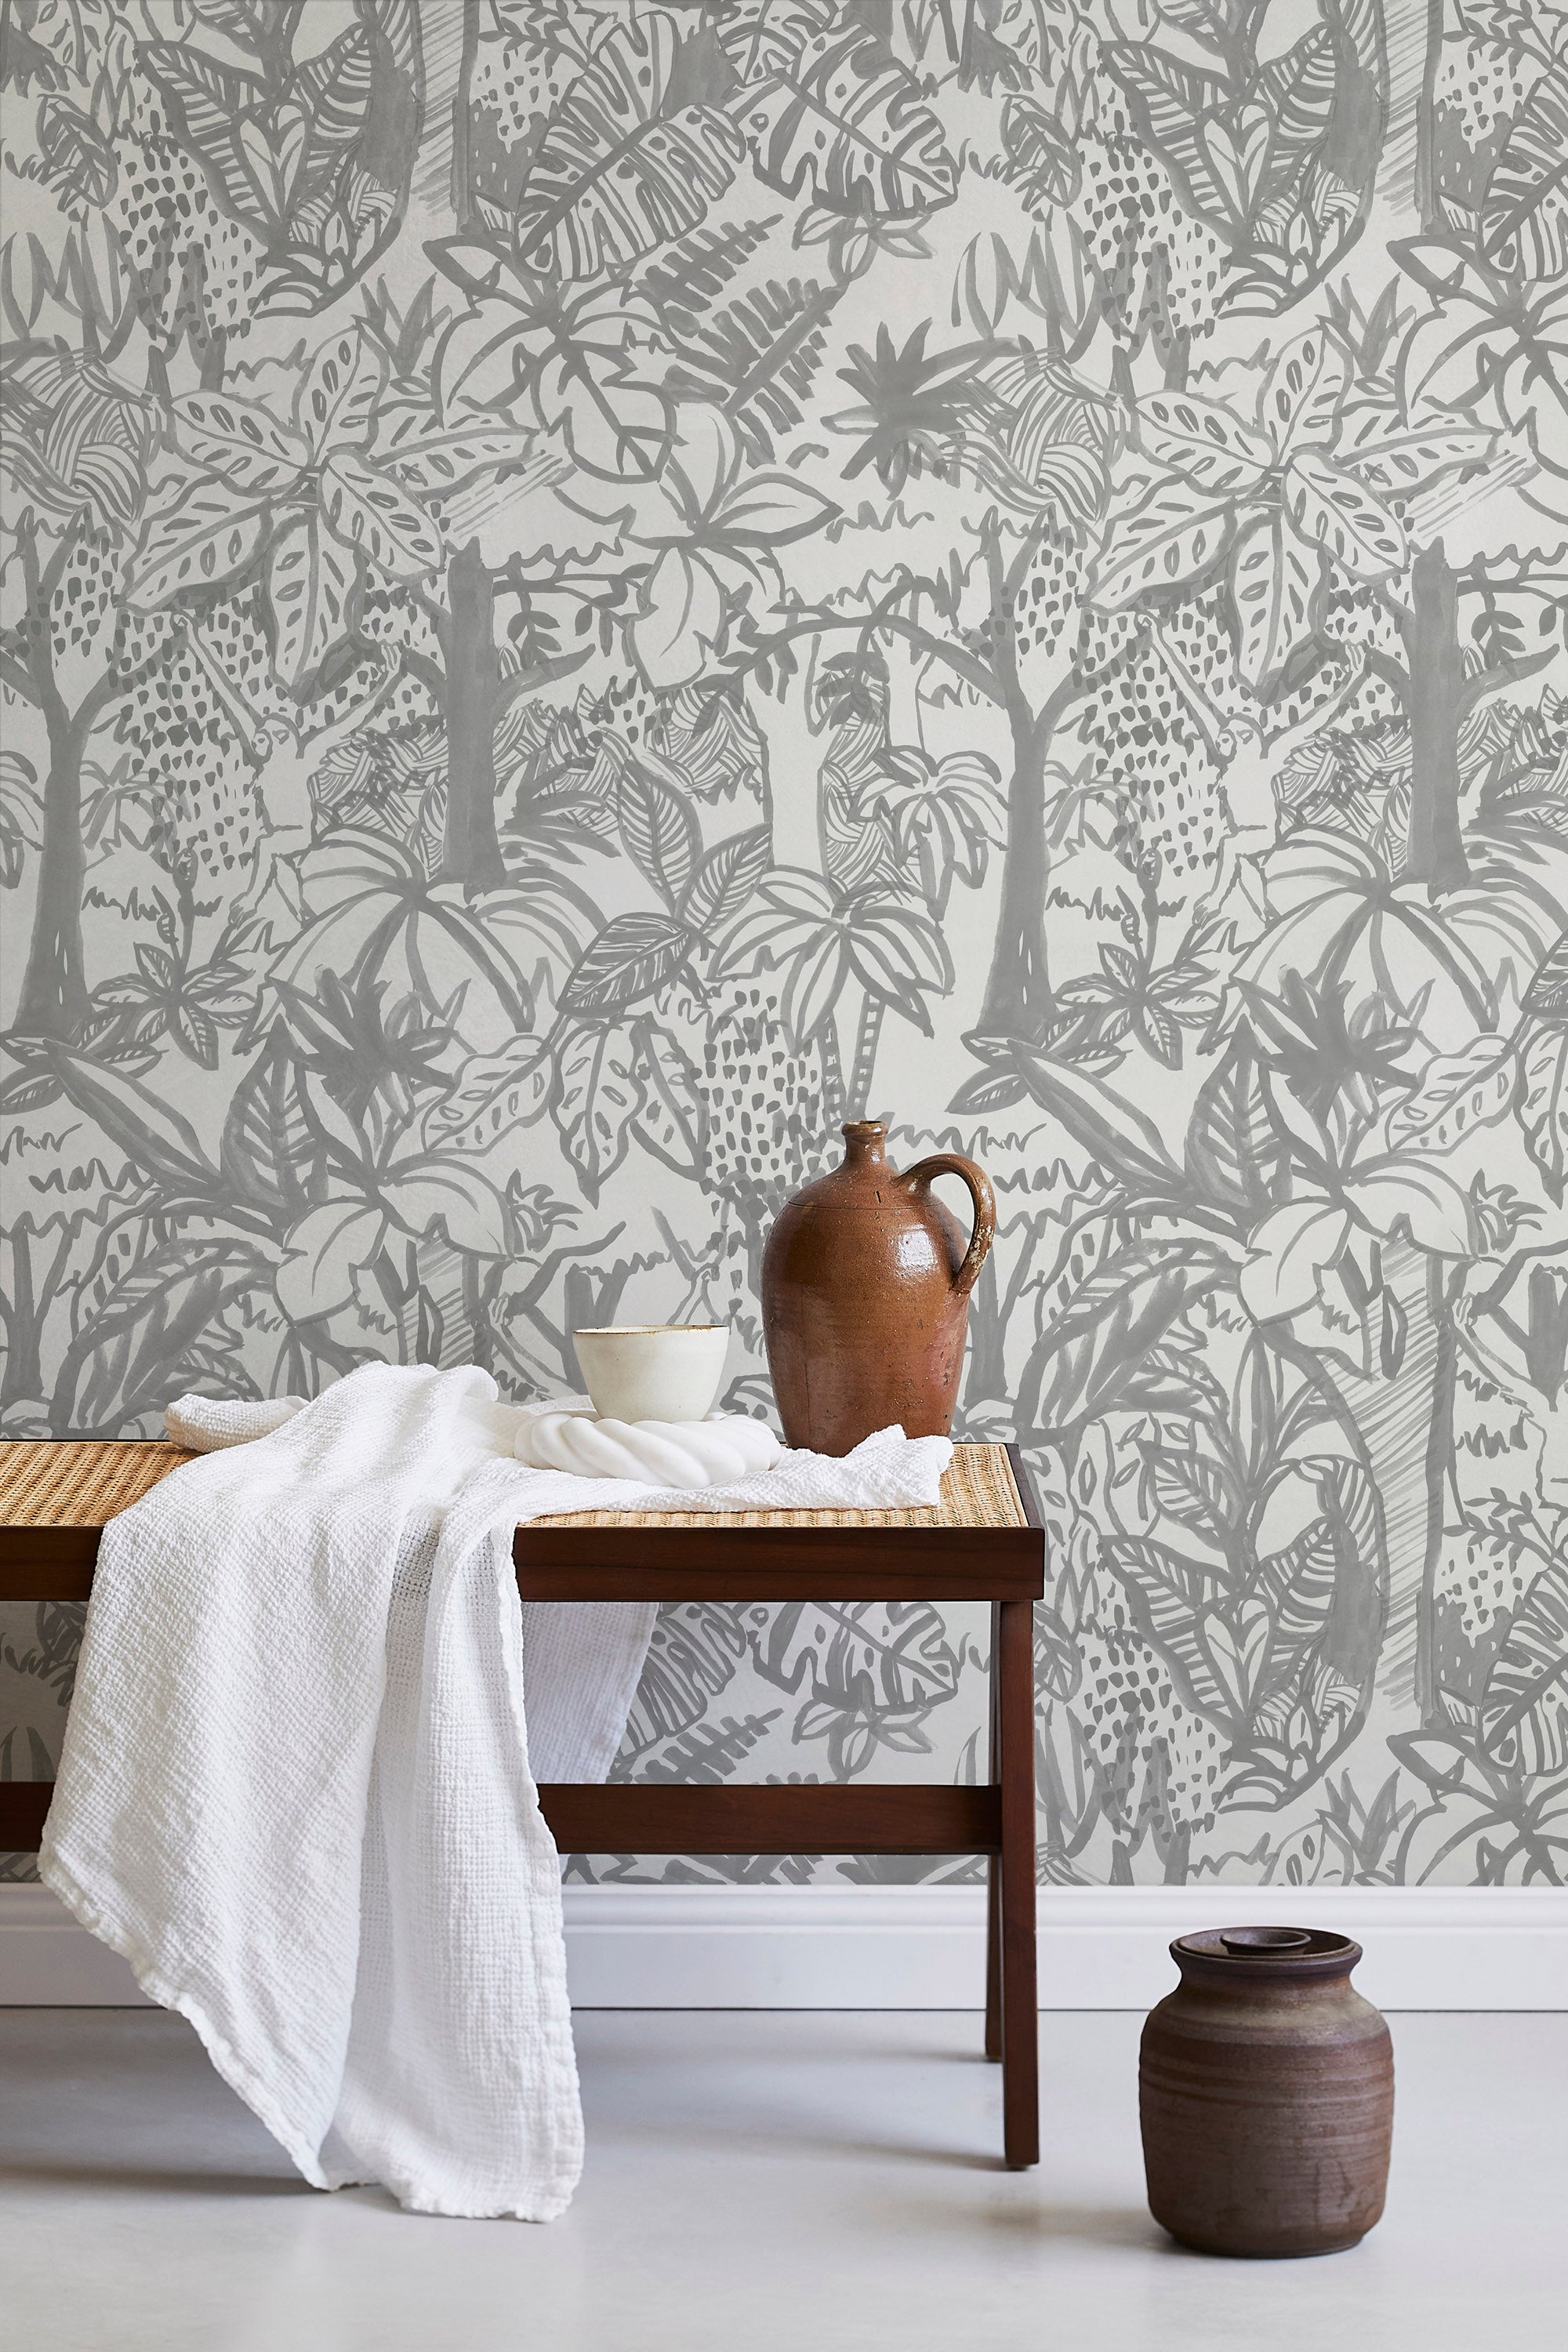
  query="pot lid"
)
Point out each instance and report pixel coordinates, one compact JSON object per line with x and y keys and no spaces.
{"x":1269,"y":1951}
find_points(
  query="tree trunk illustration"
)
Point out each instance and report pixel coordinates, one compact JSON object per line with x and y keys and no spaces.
{"x":1441,"y":1292}
{"x":54,"y":1000}
{"x":389,"y":135}
{"x":1019,"y":993}
{"x":463,"y":203}
{"x":1395,"y":1416}
{"x":22,"y":1374}
{"x":1428,"y":210}
{"x":470,"y":850}
{"x":1435,"y":849}
{"x":1018,"y":999}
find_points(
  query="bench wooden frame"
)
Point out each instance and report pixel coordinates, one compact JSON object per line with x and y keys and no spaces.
{"x":837,"y":1561}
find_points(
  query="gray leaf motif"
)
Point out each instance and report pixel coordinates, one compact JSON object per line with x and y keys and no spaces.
{"x":859,"y":560}
{"x":1524,"y":1711}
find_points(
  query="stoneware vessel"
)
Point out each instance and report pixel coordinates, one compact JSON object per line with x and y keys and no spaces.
{"x":866,"y":1284}
{"x":647,"y":1372}
{"x":1266,"y":2090}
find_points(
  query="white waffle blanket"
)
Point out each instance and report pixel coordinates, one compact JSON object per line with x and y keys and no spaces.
{"x":297,"y":1793}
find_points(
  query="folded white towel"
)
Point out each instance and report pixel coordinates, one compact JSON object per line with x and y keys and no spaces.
{"x":207,"y":1424}
{"x":296,"y":1790}
{"x":567,"y":1434}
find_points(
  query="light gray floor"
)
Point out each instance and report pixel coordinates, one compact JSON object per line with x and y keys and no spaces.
{"x":763,"y":2183}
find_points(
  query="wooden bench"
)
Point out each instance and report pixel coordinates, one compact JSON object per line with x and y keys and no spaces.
{"x":984,"y":1542}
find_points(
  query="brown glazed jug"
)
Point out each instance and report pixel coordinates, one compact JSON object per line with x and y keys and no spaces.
{"x":866,"y":1284}
{"x":1266,"y":2092}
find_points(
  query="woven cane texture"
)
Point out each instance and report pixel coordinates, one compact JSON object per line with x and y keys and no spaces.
{"x":78,"y":1482}
{"x":977,"y":1491}
{"x":84,"y":1482}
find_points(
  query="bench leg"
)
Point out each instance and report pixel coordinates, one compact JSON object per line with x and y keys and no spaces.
{"x":993,"y":1875}
{"x":1013,"y":1670}
{"x":992,"y":1957}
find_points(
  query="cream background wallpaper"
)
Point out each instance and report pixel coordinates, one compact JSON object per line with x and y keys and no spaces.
{"x":590,"y":589}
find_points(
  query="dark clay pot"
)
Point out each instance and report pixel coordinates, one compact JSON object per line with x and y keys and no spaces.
{"x":1266,"y":2088}
{"x":866,"y":1284}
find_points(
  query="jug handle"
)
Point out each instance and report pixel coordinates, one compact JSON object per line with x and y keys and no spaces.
{"x":953,"y":1163}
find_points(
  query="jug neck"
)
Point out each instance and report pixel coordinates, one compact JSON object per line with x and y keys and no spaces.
{"x":865,"y":1143}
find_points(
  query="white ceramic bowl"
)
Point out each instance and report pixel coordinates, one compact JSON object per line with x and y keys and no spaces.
{"x":667,"y":1371}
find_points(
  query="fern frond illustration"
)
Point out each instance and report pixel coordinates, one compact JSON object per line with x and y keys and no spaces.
{"x":755,"y":359}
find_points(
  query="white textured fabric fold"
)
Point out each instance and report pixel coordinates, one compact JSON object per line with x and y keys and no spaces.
{"x":206,"y":1424}
{"x":297,"y":1791}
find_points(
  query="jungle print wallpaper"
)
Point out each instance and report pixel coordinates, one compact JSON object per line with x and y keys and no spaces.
{"x":591,"y":588}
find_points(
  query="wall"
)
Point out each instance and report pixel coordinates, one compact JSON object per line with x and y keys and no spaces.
{"x":592,"y":589}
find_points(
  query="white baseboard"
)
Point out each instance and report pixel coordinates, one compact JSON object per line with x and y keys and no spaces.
{"x":923,"y":1946}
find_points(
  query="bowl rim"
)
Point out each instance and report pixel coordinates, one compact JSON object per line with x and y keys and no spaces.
{"x":645,"y":1330}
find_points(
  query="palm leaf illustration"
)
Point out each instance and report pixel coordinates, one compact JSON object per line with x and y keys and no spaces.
{"x":1524,"y":215}
{"x":1524,"y":1711}
{"x":696,"y":1650}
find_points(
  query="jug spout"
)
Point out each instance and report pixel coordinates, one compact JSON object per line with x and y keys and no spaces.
{"x":865,"y":1142}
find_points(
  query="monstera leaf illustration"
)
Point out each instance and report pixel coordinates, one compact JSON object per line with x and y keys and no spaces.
{"x":766,"y":37}
{"x":845,"y":123}
{"x":1277,"y":587}
{"x":241,"y":441}
{"x":870,"y":1669}
{"x":1203,"y":441}
{"x":496,"y":1094}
